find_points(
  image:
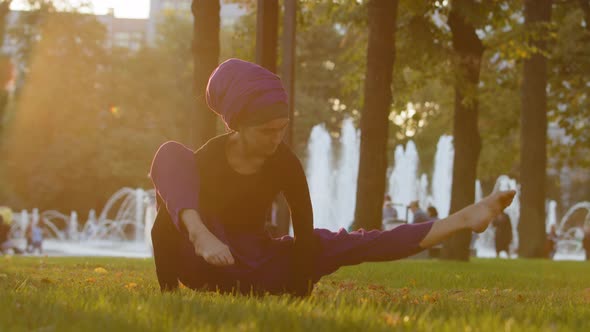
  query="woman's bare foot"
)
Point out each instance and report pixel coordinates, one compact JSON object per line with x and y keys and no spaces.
{"x":475,"y":217}
{"x":479,"y":215}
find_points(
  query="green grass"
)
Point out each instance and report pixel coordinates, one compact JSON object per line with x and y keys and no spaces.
{"x":75,"y":294}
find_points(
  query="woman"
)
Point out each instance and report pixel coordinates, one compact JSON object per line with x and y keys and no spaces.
{"x":209,"y":233}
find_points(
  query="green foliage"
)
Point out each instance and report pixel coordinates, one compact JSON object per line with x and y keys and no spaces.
{"x":569,"y":90}
{"x":97,"y":294}
{"x":88,"y":118}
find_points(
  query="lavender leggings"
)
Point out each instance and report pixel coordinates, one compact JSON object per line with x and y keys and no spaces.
{"x":176,"y":260}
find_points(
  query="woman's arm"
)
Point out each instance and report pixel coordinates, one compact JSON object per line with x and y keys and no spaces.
{"x":174,"y":173}
{"x":175,"y":178}
{"x":296,"y":192}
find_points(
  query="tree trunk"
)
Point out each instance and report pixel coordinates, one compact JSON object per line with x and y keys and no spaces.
{"x":206,"y":58}
{"x":5,"y":63}
{"x":4,"y":11}
{"x":374,"y":123}
{"x":288,"y":77}
{"x":533,"y":138}
{"x":289,"y":56}
{"x":468,"y":51}
{"x":585,"y":5}
{"x":267,"y":30}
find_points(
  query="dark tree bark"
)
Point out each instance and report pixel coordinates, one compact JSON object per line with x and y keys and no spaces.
{"x":382,"y":18}
{"x":288,"y":78}
{"x":468,"y":50}
{"x":288,"y":67}
{"x":533,"y":138}
{"x":206,"y":58}
{"x":267,"y":30}
{"x":4,"y":10}
{"x":5,"y":63}
{"x":585,"y":5}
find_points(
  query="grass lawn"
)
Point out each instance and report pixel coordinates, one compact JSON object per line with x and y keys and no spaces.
{"x":109,"y":294}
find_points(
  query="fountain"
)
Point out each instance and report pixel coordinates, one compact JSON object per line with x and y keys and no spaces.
{"x":570,"y":235}
{"x":478,"y":191}
{"x":332,"y":179}
{"x":346,"y":177}
{"x":99,"y":236}
{"x":403,"y":183}
{"x":73,"y":226}
{"x":442,"y":176}
{"x":320,"y":177}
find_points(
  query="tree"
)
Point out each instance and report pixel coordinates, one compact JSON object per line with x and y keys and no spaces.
{"x":116,"y":107}
{"x":382,"y":16}
{"x":568,"y":105}
{"x":50,"y":142}
{"x":4,"y":10}
{"x":5,"y":63}
{"x":468,"y":50}
{"x":206,"y":58}
{"x":267,"y":29}
{"x":531,"y":228}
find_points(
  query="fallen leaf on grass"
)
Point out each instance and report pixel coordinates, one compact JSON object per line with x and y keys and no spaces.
{"x":101,"y":270}
{"x":376,"y":287}
{"x":131,"y":285}
{"x":91,"y":280}
{"x":47,"y":281}
{"x":427,"y":298}
{"x":347,"y":285}
{"x":392,"y":319}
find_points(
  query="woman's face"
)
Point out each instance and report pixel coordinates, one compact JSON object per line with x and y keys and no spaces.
{"x":264,"y":139}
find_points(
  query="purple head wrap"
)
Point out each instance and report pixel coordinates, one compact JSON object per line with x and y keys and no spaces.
{"x":238,"y":88}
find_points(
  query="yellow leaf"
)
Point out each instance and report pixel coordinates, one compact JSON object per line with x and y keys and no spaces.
{"x":131,"y":285}
{"x":392,"y":319}
{"x":101,"y":270}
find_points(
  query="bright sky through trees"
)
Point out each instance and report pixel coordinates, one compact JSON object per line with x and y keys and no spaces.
{"x":123,"y":8}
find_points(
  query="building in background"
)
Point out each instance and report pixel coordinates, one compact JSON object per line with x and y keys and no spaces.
{"x":133,"y":33}
{"x":128,"y":33}
{"x":230,"y":12}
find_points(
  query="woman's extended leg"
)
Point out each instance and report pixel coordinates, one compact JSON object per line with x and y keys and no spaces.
{"x":342,"y":248}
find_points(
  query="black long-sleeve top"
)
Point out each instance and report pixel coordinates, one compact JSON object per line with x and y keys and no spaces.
{"x":232,"y":205}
